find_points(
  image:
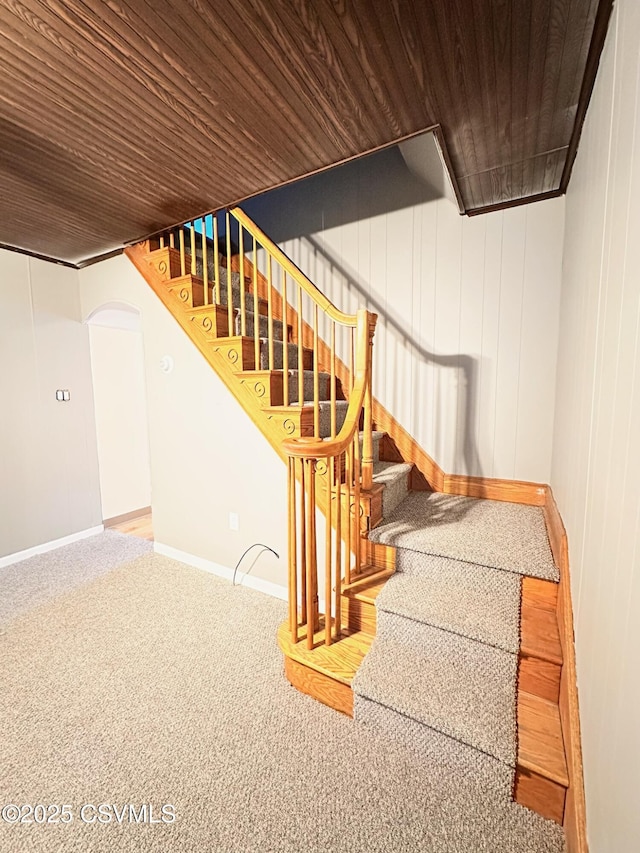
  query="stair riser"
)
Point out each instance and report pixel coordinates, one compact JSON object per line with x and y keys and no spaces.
{"x":539,"y":677}
{"x":324,"y":389}
{"x":263,"y":326}
{"x":358,"y":615}
{"x":292,"y":351}
{"x":394,"y":493}
{"x":379,"y":555}
{"x":540,"y":794}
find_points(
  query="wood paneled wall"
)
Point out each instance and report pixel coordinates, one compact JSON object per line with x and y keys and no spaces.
{"x":596,"y":460}
{"x":465,"y":347}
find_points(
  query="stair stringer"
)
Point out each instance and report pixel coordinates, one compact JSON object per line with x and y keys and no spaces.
{"x":226,"y":357}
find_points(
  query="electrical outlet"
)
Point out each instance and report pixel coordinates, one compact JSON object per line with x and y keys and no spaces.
{"x":234,"y":521}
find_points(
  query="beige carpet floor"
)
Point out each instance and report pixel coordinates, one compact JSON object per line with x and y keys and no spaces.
{"x":160,"y":684}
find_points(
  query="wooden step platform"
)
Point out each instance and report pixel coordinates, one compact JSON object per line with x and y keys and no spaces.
{"x":358,"y":600}
{"x":325,"y":672}
{"x":540,"y":661}
{"x":541,"y":777}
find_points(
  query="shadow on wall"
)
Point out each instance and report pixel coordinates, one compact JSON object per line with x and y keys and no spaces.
{"x":465,"y":366}
{"x":373,"y":186}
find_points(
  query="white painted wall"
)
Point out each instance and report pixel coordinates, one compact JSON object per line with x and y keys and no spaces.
{"x":596,"y":458}
{"x":466,"y":344}
{"x":117,"y":367}
{"x":207,"y":458}
{"x":48,"y":460}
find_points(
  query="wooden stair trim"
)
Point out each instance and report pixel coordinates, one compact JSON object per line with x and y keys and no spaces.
{"x":539,"y":633}
{"x":539,"y":677}
{"x":339,"y":661}
{"x":540,"y":743}
{"x":137,"y":255}
{"x":575,"y":814}
{"x":368,"y":586}
{"x":540,"y":794}
{"x":319,"y":686}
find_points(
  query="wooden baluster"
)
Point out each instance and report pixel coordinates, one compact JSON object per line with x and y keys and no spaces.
{"x":243,"y":309}
{"x":335,"y":472}
{"x":316,"y":385}
{"x":285,"y":341}
{"x":228,"y":267}
{"x":270,"y":311}
{"x":183,"y":263}
{"x":351,"y":333}
{"x":333,"y":379}
{"x":172,"y":239}
{"x":205,"y":260}
{"x":303,"y":545}
{"x":192,"y":230}
{"x":367,"y":443}
{"x":328,"y":586}
{"x":338,"y":542}
{"x":293,"y":561}
{"x":216,"y":259}
{"x":162,"y":241}
{"x":256,"y":306}
{"x":348,"y":480}
{"x":300,"y":351}
{"x":356,"y":501}
{"x":312,"y":571}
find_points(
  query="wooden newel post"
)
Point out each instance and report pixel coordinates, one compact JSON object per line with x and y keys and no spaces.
{"x":367,"y":444}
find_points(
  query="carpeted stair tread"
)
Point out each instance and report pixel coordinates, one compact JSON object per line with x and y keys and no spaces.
{"x":309,"y":379}
{"x":386,"y":472}
{"x":497,"y":534}
{"x":457,"y":759}
{"x":394,"y":476}
{"x":476,"y":602}
{"x":263,"y":324}
{"x":459,"y":687}
{"x":324,"y":408}
{"x":278,"y":364}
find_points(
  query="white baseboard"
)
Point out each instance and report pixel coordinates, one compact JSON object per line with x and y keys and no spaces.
{"x":221,"y":571}
{"x":49,"y":546}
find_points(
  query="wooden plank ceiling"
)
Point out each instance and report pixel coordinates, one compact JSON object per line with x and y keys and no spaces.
{"x":118,"y":118}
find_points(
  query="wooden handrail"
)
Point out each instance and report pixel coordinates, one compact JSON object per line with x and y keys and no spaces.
{"x":296,"y":274}
{"x":316,"y":448}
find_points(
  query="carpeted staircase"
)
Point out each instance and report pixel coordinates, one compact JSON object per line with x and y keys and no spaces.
{"x":442,"y":670}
